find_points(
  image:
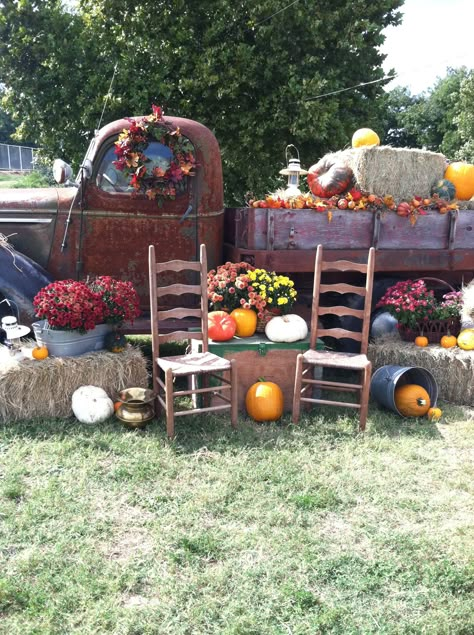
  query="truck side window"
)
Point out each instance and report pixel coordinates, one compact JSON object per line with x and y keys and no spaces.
{"x":111,"y":180}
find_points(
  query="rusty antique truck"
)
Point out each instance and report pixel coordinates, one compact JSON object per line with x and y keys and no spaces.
{"x":94,"y":226}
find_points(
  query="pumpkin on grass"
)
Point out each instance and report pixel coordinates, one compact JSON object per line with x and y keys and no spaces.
{"x":412,"y":400}
{"x":246,"y":322}
{"x":264,"y":401}
{"x":434,"y":414}
{"x":220,"y":326}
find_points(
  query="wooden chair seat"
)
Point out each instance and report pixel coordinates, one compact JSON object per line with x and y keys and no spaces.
{"x":193,"y":363}
{"x":334,"y":359}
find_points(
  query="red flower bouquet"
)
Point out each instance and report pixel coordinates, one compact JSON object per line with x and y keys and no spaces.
{"x":121,"y":301}
{"x":69,"y":305}
{"x":73,"y":305}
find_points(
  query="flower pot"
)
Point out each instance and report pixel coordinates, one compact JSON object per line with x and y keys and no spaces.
{"x":432,"y":329}
{"x":70,"y":343}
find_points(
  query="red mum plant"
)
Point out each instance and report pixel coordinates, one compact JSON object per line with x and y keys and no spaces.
{"x":74,"y":305}
{"x":121,"y":301}
{"x":69,"y":305}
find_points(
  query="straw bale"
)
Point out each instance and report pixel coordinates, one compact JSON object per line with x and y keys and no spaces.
{"x":31,"y":388}
{"x":399,"y":172}
{"x":452,"y":368}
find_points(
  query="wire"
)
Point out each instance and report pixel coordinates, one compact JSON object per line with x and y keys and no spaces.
{"x":342,"y":90}
{"x":276,"y":13}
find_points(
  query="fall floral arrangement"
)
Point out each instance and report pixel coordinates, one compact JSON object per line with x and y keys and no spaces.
{"x":74,"y":305}
{"x":411,"y":302}
{"x":356,"y":200}
{"x":235,"y":285}
{"x":157,"y":182}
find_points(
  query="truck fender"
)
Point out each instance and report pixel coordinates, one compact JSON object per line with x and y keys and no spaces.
{"x":20,"y":280}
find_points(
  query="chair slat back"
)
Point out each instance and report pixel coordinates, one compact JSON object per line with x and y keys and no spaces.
{"x":157,"y":291}
{"x":365,"y":292}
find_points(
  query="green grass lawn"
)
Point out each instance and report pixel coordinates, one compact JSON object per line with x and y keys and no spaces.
{"x":30,"y":179}
{"x":270,"y":529}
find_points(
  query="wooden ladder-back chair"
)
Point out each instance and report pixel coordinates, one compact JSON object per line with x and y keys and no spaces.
{"x":306,"y":362}
{"x":190,"y":365}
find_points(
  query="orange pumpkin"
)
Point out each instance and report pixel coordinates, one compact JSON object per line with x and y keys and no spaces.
{"x":40,"y":352}
{"x":264,"y":401}
{"x":461,"y":174}
{"x":412,"y":400}
{"x":220,"y":326}
{"x":448,"y":341}
{"x":246,"y":322}
{"x":434,"y":414}
{"x":421,"y":340}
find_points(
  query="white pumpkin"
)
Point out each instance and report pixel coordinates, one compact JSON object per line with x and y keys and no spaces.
{"x":91,"y":404}
{"x":286,"y":328}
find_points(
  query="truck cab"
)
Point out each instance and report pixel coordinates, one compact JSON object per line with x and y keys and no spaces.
{"x":96,"y":225}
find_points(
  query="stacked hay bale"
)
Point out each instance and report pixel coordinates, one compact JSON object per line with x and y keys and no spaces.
{"x":30,"y":389}
{"x":400,"y":172}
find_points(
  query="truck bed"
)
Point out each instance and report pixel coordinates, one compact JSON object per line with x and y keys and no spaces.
{"x":286,"y":239}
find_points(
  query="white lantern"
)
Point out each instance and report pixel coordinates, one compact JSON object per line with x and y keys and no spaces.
{"x":13,"y":334}
{"x":293,"y":171}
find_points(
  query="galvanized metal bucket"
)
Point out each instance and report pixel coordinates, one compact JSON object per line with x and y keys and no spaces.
{"x":386,"y":379}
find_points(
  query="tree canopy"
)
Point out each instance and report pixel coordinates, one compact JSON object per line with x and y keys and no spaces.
{"x":253,"y":73}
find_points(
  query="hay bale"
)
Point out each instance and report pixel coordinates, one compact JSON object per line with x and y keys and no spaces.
{"x":399,"y":172}
{"x":452,"y":368}
{"x":30,"y":388}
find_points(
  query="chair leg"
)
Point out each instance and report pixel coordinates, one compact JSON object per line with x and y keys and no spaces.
{"x":297,"y":388}
{"x":156,"y":388}
{"x":234,"y":406}
{"x":169,"y":403}
{"x":364,"y":397}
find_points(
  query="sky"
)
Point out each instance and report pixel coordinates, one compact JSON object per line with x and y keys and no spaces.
{"x":433,"y":35}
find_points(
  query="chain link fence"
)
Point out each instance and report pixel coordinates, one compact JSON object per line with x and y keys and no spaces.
{"x":16,"y":158}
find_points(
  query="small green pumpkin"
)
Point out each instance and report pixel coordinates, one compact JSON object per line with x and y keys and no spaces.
{"x":115,"y":342}
{"x":444,"y":189}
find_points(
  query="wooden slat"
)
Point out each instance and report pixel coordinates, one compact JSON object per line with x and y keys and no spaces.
{"x":180,"y":335}
{"x":178,"y":313}
{"x":177,"y":265}
{"x":327,"y":402}
{"x":194,"y":411}
{"x":340,"y":310}
{"x":341,"y":287}
{"x":343,"y":265}
{"x":339,"y":333}
{"x":333,"y":384}
{"x":178,"y":289}
{"x":182,"y":393}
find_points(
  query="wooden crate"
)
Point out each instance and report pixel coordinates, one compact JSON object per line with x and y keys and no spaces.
{"x":258,"y":357}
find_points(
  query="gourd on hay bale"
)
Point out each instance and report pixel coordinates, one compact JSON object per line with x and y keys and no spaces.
{"x":400,"y":172}
{"x":452,"y":368}
{"x":30,"y":389}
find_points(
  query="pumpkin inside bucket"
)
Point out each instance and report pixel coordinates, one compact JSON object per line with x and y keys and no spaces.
{"x":387,"y":378}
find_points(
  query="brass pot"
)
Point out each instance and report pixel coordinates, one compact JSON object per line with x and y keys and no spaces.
{"x":136,"y":408}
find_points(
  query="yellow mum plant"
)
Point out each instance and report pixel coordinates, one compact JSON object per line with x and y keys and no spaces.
{"x":275,"y":289}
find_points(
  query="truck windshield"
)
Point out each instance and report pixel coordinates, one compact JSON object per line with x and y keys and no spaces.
{"x":109,"y":179}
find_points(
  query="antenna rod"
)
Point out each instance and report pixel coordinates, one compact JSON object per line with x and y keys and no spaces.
{"x":109,"y":93}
